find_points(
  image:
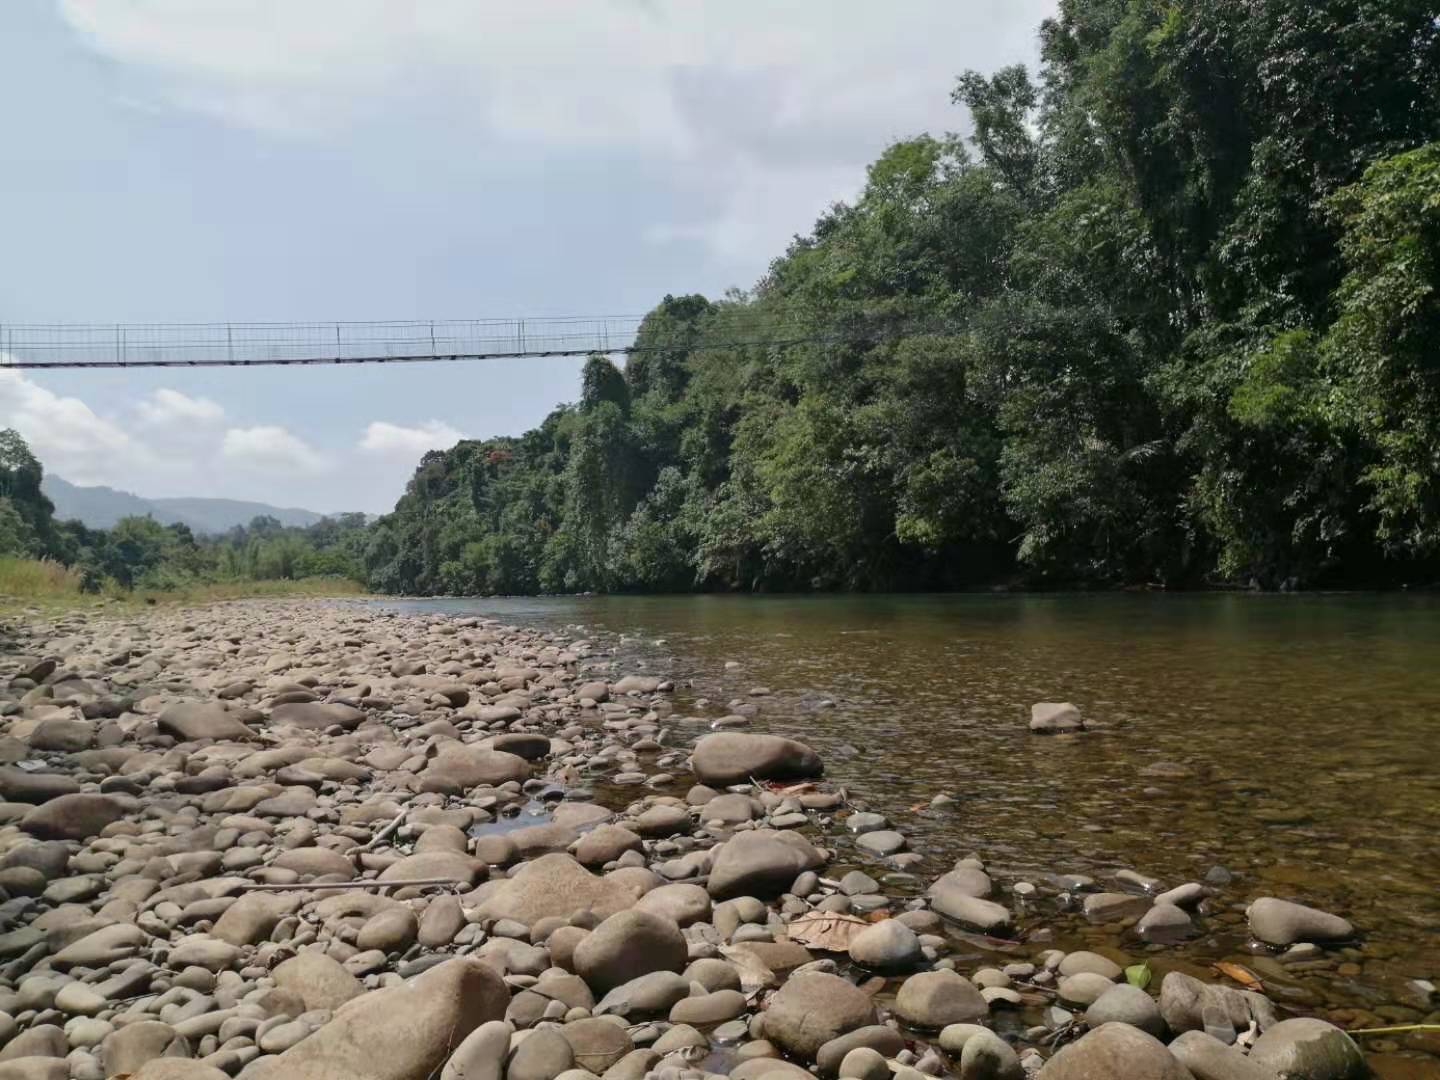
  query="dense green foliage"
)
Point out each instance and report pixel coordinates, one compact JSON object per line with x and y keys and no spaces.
{"x":1170,"y":315}
{"x":139,"y":552}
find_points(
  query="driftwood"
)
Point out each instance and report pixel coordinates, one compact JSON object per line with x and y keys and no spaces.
{"x":301,"y":886}
{"x":380,"y":836}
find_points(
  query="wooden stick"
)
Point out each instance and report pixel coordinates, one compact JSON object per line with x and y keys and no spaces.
{"x":386,"y":831}
{"x":303,"y":886}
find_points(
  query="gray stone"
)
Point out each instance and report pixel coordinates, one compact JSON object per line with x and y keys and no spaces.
{"x":1055,"y":717}
{"x":649,"y":995}
{"x":399,"y":1033}
{"x":627,"y":945}
{"x":1114,"y":1051}
{"x":812,"y":1009}
{"x":1084,"y":988}
{"x":935,"y":999}
{"x":888,"y":945}
{"x":1306,"y":1048}
{"x":1210,"y":1059}
{"x":730,"y":757}
{"x":191,"y":721}
{"x":1185,"y":1001}
{"x":986,"y":1056}
{"x":1280,"y":922}
{"x":863,"y":1063}
{"x":760,"y":862}
{"x":319,"y":980}
{"x":73,"y":817}
{"x":542,"y":1054}
{"x":1125,"y":1004}
{"x":596,"y":1044}
{"x":884,"y":1040}
{"x":558,"y":886}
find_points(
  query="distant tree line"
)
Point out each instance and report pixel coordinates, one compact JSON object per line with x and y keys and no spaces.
{"x":1186,"y":279}
{"x":139,"y":552}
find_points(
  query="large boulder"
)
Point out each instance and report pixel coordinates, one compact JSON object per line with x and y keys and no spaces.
{"x":191,"y":721}
{"x":730,"y":757}
{"x":555,"y":885}
{"x":73,"y":817}
{"x":1280,"y":922}
{"x":1112,"y":1051}
{"x":811,"y":1009}
{"x":935,"y":999}
{"x":1306,"y":1048}
{"x":627,"y":945}
{"x":21,"y":786}
{"x":458,"y":768}
{"x":319,"y":980}
{"x":406,"y":1032}
{"x":316,"y":716}
{"x":760,"y":862}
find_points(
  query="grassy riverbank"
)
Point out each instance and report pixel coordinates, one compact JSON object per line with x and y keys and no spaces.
{"x":42,"y":583}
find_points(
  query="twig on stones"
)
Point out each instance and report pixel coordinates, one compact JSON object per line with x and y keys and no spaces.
{"x":385,"y":833}
{"x":266,"y":886}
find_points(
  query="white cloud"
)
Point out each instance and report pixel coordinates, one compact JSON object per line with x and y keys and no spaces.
{"x":67,"y":436}
{"x":408,"y":443}
{"x":165,"y":407}
{"x":270,"y":448}
{"x":762,"y":110}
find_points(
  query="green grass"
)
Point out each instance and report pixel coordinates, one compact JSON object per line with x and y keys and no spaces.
{"x":53,"y":587}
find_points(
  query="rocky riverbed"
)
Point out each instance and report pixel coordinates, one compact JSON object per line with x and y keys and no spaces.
{"x":309,"y":840}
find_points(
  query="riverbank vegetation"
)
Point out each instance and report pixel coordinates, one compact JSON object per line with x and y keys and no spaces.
{"x":1168,"y":316}
{"x":48,"y":561}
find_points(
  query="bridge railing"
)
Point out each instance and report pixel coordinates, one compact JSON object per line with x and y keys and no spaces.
{"x":240,"y":343}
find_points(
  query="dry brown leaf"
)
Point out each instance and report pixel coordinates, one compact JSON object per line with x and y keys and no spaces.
{"x":877,"y":916}
{"x":754,"y":975}
{"x":873,"y":985}
{"x":918,"y":807}
{"x":1241,"y":974}
{"x":826,"y":930}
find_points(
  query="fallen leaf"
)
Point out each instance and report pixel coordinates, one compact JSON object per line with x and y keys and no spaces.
{"x":877,"y":916}
{"x":826,"y":930}
{"x":754,"y":975}
{"x":873,"y":985}
{"x":1138,"y":975}
{"x":1241,"y":974}
{"x":918,"y":807}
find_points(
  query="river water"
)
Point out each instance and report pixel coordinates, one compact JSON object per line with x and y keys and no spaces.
{"x":1292,"y":740}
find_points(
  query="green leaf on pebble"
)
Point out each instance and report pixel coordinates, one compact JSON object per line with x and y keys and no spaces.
{"x":1138,"y":975}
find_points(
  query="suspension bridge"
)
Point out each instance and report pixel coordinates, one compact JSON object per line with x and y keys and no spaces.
{"x":264,"y":344}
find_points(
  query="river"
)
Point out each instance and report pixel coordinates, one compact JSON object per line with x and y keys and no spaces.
{"x":1292,"y":740}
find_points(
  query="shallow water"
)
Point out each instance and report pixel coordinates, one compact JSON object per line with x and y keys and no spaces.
{"x":1300,"y":739}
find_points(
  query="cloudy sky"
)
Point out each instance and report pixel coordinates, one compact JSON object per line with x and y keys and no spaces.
{"x":244,"y":160}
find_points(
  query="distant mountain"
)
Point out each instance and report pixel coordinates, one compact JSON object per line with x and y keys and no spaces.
{"x":102,"y":507}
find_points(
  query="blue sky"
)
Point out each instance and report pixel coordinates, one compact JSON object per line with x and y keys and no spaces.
{"x":209,"y":160}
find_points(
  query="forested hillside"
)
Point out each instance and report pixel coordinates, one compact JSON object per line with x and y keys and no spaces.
{"x":1169,"y":316}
